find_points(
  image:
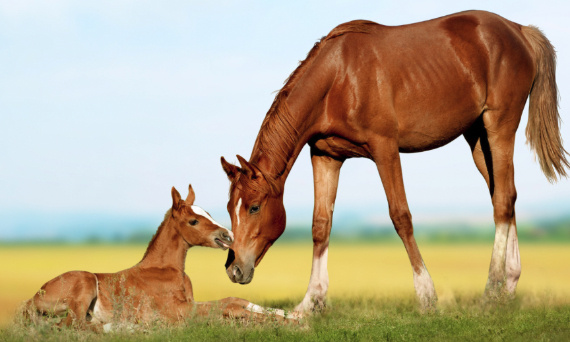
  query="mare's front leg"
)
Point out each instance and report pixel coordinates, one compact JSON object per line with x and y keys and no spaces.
{"x":326,"y":171}
{"x":386,"y":155}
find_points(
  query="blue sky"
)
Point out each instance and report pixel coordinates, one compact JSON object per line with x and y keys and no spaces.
{"x":104,"y":105}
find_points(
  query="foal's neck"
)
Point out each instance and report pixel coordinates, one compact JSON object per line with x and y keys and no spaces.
{"x":166,"y":249}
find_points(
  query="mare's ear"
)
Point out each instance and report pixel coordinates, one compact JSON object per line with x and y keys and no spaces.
{"x":191,"y":195}
{"x":230,"y":169}
{"x":250,"y":169}
{"x":175,"y":200}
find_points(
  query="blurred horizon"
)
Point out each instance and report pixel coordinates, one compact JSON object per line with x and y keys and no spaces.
{"x":76,"y":227}
{"x":104,"y":106}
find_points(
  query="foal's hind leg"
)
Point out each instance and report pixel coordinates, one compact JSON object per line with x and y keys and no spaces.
{"x":71,"y":292}
{"x":387,"y":158}
{"x":326,"y":171}
{"x":492,"y":145}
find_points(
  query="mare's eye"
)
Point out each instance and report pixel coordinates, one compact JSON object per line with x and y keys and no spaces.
{"x":254,"y":209}
{"x":193,"y":222}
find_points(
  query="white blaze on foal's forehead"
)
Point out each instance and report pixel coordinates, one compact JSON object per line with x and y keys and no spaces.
{"x":197,"y":210}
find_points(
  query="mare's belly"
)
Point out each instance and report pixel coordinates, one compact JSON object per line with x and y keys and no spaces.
{"x":424,"y":141}
{"x":425,"y":132}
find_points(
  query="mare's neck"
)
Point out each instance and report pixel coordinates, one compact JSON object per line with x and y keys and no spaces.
{"x":166,"y":249}
{"x":286,"y":129}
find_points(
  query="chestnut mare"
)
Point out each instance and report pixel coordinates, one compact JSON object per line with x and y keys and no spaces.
{"x":373,"y":91}
{"x":155,"y":288}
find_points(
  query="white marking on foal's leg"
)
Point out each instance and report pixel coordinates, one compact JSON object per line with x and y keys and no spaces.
{"x":197,"y":210}
{"x":318,"y":284}
{"x":513,"y":259}
{"x":238,"y":207}
{"x":424,"y":287}
{"x":254,"y":308}
{"x":261,"y":310}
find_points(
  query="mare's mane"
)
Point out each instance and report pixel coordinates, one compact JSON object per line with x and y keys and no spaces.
{"x":278,"y":135}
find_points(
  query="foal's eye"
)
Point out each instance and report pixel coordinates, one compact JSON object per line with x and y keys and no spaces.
{"x":193,"y":222}
{"x":254,"y":209}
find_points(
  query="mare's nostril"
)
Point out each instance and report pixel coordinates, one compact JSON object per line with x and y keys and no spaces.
{"x":237,"y":272}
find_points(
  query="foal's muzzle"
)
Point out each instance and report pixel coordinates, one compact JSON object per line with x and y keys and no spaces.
{"x":224,"y":239}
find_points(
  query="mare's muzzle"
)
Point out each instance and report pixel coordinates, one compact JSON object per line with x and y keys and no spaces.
{"x":238,"y":273}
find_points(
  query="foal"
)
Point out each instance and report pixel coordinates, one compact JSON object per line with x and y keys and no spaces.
{"x":155,"y":288}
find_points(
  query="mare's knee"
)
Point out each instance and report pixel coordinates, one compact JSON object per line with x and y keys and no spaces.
{"x":402,"y":220}
{"x":321,"y":228}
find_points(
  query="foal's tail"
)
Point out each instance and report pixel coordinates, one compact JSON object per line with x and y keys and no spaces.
{"x":542,"y":130}
{"x":28,"y":312}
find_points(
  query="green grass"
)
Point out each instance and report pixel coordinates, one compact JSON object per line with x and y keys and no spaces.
{"x":365,"y":319}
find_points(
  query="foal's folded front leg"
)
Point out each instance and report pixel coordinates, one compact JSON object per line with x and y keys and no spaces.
{"x":233,"y":307}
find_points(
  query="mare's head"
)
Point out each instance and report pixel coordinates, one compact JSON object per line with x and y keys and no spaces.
{"x":258,"y":218}
{"x":195,"y":225}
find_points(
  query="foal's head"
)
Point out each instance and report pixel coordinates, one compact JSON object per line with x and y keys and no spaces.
{"x":195,"y":225}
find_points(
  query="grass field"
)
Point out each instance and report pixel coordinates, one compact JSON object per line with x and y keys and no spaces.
{"x":371,"y":289}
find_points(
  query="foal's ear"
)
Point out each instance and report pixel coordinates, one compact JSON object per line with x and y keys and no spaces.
{"x":191,"y":195}
{"x":175,"y":199}
{"x":230,"y":169}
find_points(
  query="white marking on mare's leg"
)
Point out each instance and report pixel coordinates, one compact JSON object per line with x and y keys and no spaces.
{"x":318,"y":284}
{"x":424,"y":288}
{"x":513,"y":260}
{"x":497,"y":273}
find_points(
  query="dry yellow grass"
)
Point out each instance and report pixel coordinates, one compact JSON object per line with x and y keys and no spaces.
{"x":356,"y":270}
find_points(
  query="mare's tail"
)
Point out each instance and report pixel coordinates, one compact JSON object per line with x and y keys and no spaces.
{"x":543,"y":128}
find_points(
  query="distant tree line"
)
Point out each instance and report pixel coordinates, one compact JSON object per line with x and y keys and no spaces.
{"x":539,"y":231}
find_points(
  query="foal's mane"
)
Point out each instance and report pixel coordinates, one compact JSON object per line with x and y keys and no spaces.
{"x":278,"y":135}
{"x":160,"y":228}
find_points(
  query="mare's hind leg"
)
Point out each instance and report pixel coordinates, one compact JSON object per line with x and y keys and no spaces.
{"x":71,"y":292}
{"x":387,"y":158}
{"x":326,"y":171}
{"x":492,"y":145}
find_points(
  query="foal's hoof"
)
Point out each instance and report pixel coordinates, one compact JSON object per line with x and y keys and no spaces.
{"x":297,"y":315}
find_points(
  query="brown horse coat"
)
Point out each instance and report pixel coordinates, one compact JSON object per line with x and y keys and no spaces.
{"x":373,"y":91}
{"x":156,"y":288}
